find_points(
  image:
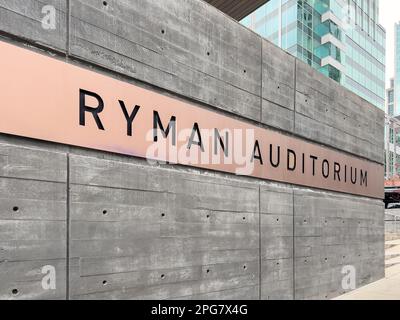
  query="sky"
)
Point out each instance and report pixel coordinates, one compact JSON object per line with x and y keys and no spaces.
{"x":389,"y":15}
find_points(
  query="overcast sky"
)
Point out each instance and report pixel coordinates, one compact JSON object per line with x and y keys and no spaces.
{"x":389,"y":15}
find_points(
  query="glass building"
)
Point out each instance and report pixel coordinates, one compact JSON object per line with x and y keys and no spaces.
{"x":397,"y":69}
{"x":340,"y":38}
{"x":389,"y":132}
{"x":392,"y":125}
{"x":390,"y":99}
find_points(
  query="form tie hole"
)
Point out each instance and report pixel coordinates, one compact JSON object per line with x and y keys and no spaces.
{"x":104,"y":212}
{"x":105,"y":3}
{"x":163,"y":276}
{"x":15,"y":209}
{"x":14,"y":292}
{"x":104,"y":282}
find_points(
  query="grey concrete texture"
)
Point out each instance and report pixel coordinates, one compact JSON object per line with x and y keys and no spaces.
{"x":338,"y":117}
{"x":142,"y":231}
{"x":33,"y":217}
{"x":333,"y":231}
{"x":116,"y":227}
{"x":392,"y":226}
{"x":159,"y":233}
{"x":23,"y":19}
{"x":186,"y":47}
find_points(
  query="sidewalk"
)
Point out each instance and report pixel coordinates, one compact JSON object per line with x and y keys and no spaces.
{"x":387,"y":288}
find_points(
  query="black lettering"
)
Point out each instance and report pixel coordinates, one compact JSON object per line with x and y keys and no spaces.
{"x":157,"y":124}
{"x":129,"y":118}
{"x":364,"y":178}
{"x":276,"y":164}
{"x":314,"y":158}
{"x":337,"y":171}
{"x":254,"y":155}
{"x":83,"y":108}
{"x":195,"y":130}
{"x":353,"y":178}
{"x":325,"y":169}
{"x":217,"y":138}
{"x":293,"y":166}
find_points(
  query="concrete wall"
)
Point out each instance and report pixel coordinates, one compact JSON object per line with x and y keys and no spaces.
{"x":119,"y":227}
{"x":392,"y":227}
{"x":392,"y":224}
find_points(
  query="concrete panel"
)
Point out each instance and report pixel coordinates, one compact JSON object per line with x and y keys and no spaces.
{"x":251,"y":292}
{"x":23,"y":18}
{"x":330,"y":114}
{"x":186,"y":47}
{"x":32,"y":163}
{"x":333,"y":231}
{"x":278,"y":87}
{"x":276,"y":215}
{"x":276,"y":116}
{"x":140,"y":232}
{"x":32,"y":222}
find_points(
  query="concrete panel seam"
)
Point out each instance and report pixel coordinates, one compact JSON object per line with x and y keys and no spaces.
{"x":31,"y":179}
{"x":27,"y":42}
{"x":293,"y":249}
{"x":348,"y":133}
{"x":261,"y":83}
{"x":259,"y":242}
{"x":68,"y":233}
{"x":68,"y":37}
{"x":295,"y":94}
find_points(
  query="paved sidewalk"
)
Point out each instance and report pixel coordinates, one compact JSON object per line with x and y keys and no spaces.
{"x":387,"y":288}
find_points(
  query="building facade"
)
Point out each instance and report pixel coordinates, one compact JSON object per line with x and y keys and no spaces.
{"x":392,"y":130}
{"x":390,"y":99}
{"x":392,"y":125}
{"x":342,"y":39}
{"x":396,"y":84}
{"x":113,"y":225}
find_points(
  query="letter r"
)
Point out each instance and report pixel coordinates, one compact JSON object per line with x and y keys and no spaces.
{"x":83,"y":108}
